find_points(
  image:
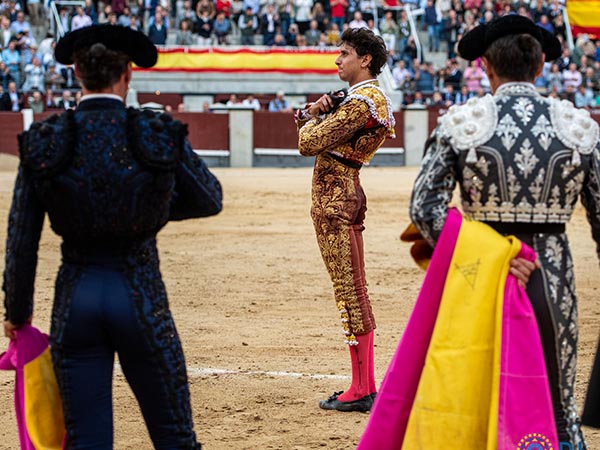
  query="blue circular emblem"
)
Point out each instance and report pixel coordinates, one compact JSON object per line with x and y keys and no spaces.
{"x":534,"y":441}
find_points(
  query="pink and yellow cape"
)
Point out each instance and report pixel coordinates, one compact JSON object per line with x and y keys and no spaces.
{"x":37,"y":403}
{"x":469,"y":371}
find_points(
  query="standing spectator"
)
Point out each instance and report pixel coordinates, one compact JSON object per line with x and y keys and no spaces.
{"x":118,"y":6}
{"x":286,"y":14}
{"x":124,"y":19}
{"x":590,"y":80}
{"x":424,"y":77}
{"x":572,"y":77}
{"x":20,"y":24}
{"x":222,"y":26}
{"x":11,"y":100}
{"x":64,"y":19}
{"x":279,"y":103}
{"x":389,"y":30}
{"x":357,"y":21}
{"x":303,"y":14}
{"x":545,"y":23}
{"x":452,"y":30}
{"x":319,"y":14}
{"x":564,"y":60}
{"x":433,"y":18}
{"x":186,"y":12}
{"x":313,"y":34}
{"x":6,"y":34}
{"x":34,"y":76}
{"x":555,"y":80}
{"x":157,"y":32}
{"x":5,"y":77}
{"x":454,"y":75}
{"x":90,"y":10}
{"x":472,"y":76}
{"x":184,"y":34}
{"x":402,"y":76}
{"x":248,"y":24}
{"x":560,"y":29}
{"x":338,"y":12}
{"x":538,"y":10}
{"x":12,"y":59}
{"x":291,"y":36}
{"x":36,"y":102}
{"x":53,"y":79}
{"x":404,"y":31}
{"x":134,"y":23}
{"x":206,"y":6}
{"x":164,"y":14}
{"x":204,"y":29}
{"x":368,"y":9}
{"x":80,"y":19}
{"x":269,"y":22}
{"x":223,"y":5}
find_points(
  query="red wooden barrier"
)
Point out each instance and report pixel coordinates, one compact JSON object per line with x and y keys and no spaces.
{"x":275,"y":130}
{"x":398,"y":141}
{"x":207,"y":131}
{"x":11,"y":126}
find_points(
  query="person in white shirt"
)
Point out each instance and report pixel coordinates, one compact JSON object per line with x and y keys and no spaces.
{"x":252,"y":102}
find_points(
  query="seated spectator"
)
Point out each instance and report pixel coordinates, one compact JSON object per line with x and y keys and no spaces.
{"x":279,"y":103}
{"x":157,"y":32}
{"x":333,"y":34}
{"x":401,"y":75}
{"x":424,"y":77}
{"x":252,"y":102}
{"x":453,"y":74}
{"x":409,"y":54}
{"x":124,"y":19}
{"x":206,"y":6}
{"x":50,"y":101}
{"x":545,"y":23}
{"x":248,"y":24}
{"x":554,"y":79}
{"x":67,"y":101}
{"x":106,"y":11}
{"x":68,"y":73}
{"x":34,"y":76}
{"x":78,"y":96}
{"x":233,"y":100}
{"x":591,"y":79}
{"x":36,"y":102}
{"x":572,"y":77}
{"x":448,"y":95}
{"x":165,"y":17}
{"x":291,"y":36}
{"x":11,"y":100}
{"x":437,"y":100}
{"x":20,"y":24}
{"x":472,"y":76}
{"x":464,"y":94}
{"x":357,"y":21}
{"x":569,"y":93}
{"x":560,"y":29}
{"x":80,"y":19}
{"x":184,"y":35}
{"x":279,"y":40}
{"x":313,"y":34}
{"x":204,"y":29}
{"x":222,"y":26}
{"x":134,"y":23}
{"x":4,"y":75}
{"x":584,"y":98}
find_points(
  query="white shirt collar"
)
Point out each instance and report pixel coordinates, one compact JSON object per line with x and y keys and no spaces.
{"x":362,"y":83}
{"x":95,"y":96}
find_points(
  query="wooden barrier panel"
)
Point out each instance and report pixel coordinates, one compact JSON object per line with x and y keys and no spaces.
{"x":11,"y":126}
{"x":275,"y":130}
{"x":398,"y":141}
{"x":434,"y":113}
{"x":207,"y":131}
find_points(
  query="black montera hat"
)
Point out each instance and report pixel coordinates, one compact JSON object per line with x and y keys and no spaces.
{"x":136,"y":44}
{"x":476,"y":42}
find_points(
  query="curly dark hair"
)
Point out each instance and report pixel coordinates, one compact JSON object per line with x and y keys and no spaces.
{"x":100,"y":67}
{"x":516,"y":57}
{"x":365,"y":42}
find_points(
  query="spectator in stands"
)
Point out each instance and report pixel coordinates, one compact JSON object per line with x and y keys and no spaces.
{"x":269,"y":22}
{"x":66,"y":101}
{"x":389,"y":30}
{"x":447,"y":95}
{"x":252,"y":102}
{"x":545,"y":23}
{"x":424,"y":76}
{"x":560,"y":29}
{"x":36,"y":102}
{"x":584,"y":98}
{"x":591,"y":80}
{"x":53,"y":79}
{"x":572,"y":77}
{"x":538,"y":10}
{"x":569,"y":93}
{"x":404,"y":31}
{"x":463,"y":95}
{"x":64,"y":19}
{"x":333,"y":34}
{"x":80,"y":19}
{"x":5,"y":77}
{"x":223,"y":5}
{"x":233,"y":100}
{"x":6,"y":34}
{"x":454,"y":75}
{"x":583,"y":64}
{"x":279,"y":40}
{"x":204,"y":29}
{"x":34,"y":76}
{"x":165,"y":16}
{"x":368,"y":8}
{"x":124,"y":19}
{"x":437,"y":100}
{"x":564,"y":60}
{"x":91,"y":10}
{"x":357,"y":21}
{"x":313,"y":34}
{"x":303,"y":14}
{"x":50,"y":100}
{"x":279,"y":103}
{"x":206,"y":6}
{"x":472,"y":76}
{"x":20,"y":24}
{"x":248,"y":24}
{"x":184,"y":35}
{"x":12,"y":59}
{"x":157,"y":32}
{"x":291,"y":36}
{"x":134,"y":23}
{"x":433,"y":20}
{"x":186,"y":12}
{"x":452,"y":30}
{"x":555,"y":80}
{"x":409,"y":55}
{"x":402,"y":76}
{"x":338,"y":12}
{"x":11,"y":100}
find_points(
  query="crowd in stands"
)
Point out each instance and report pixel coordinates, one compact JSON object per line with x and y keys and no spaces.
{"x":27,"y":40}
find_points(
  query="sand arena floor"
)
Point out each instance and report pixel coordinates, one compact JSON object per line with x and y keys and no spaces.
{"x":254,"y":309}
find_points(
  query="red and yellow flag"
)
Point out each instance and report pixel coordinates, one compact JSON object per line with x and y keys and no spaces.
{"x":584,"y":17}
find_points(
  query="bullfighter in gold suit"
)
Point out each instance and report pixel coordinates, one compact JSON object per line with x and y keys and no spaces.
{"x":344,"y":130}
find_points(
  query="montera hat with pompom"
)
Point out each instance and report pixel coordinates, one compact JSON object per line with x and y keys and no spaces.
{"x":136,"y":44}
{"x":477,"y":41}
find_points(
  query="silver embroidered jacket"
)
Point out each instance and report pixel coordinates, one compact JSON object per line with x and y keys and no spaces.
{"x":517,"y":156}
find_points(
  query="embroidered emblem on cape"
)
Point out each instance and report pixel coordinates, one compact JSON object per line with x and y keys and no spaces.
{"x":525,"y":159}
{"x":470,"y":125}
{"x":508,"y":131}
{"x":523,"y":108}
{"x":469,"y":271}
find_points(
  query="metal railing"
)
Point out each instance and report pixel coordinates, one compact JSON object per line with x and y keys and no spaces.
{"x":55,"y":20}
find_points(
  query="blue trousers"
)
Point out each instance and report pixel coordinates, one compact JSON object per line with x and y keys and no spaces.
{"x":101,"y":319}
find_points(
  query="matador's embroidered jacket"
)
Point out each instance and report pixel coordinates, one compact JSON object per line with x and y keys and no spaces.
{"x":519,"y":157}
{"x":342,"y":141}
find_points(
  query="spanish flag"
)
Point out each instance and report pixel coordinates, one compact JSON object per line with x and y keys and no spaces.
{"x":584,"y":17}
